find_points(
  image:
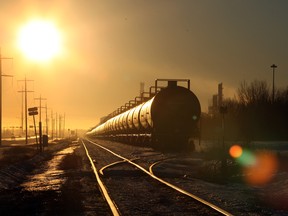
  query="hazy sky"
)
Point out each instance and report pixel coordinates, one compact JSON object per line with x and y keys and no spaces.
{"x":110,"y":46}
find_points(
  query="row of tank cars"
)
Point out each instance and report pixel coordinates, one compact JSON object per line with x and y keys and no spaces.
{"x":166,"y":119}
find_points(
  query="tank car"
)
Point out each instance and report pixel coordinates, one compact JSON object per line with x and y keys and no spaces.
{"x":166,"y":119}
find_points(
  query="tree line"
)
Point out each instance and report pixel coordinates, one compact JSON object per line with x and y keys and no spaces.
{"x":255,"y":113}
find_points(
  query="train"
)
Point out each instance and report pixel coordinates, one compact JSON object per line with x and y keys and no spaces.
{"x":166,"y":117}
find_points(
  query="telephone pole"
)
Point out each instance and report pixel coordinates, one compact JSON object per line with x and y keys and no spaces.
{"x":56,"y":125}
{"x":22,"y":111}
{"x":26,"y":119}
{"x":46,"y":119}
{"x":52,"y":125}
{"x":60,"y":126}
{"x":1,"y":94}
{"x":64,"y":125}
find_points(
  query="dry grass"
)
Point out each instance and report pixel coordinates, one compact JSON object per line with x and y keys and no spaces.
{"x":15,"y":154}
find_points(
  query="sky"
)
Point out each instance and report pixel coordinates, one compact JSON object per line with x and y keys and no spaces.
{"x":109,"y":46}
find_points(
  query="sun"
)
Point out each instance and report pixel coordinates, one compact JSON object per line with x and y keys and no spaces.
{"x":39,"y":40}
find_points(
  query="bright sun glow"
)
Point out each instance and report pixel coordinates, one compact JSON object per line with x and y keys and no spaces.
{"x":39,"y":40}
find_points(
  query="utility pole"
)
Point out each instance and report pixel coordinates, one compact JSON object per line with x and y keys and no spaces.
{"x":60,"y":126}
{"x":56,"y":126}
{"x":22,"y":111}
{"x":26,"y":121}
{"x":40,"y":121}
{"x":1,"y":94}
{"x":273,"y":87}
{"x":46,"y":119}
{"x":52,"y":125}
{"x":64,"y":125}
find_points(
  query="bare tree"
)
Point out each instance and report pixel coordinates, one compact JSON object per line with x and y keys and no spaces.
{"x":282,"y":96}
{"x":255,"y":93}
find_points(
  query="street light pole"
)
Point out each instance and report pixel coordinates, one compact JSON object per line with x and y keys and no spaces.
{"x":273,"y":86}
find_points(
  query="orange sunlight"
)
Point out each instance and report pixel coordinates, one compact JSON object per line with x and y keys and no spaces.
{"x":39,"y":40}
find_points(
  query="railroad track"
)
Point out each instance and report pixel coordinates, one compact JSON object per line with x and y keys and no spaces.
{"x":132,"y":188}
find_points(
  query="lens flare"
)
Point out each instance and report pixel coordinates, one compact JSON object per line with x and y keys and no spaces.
{"x":258,"y":168}
{"x":235,"y":151}
{"x":262,"y":171}
{"x":247,"y":158}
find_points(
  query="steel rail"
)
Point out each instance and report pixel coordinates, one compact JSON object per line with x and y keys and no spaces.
{"x":216,"y":208}
{"x":152,"y":165}
{"x":112,"y":164}
{"x":112,"y":205}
